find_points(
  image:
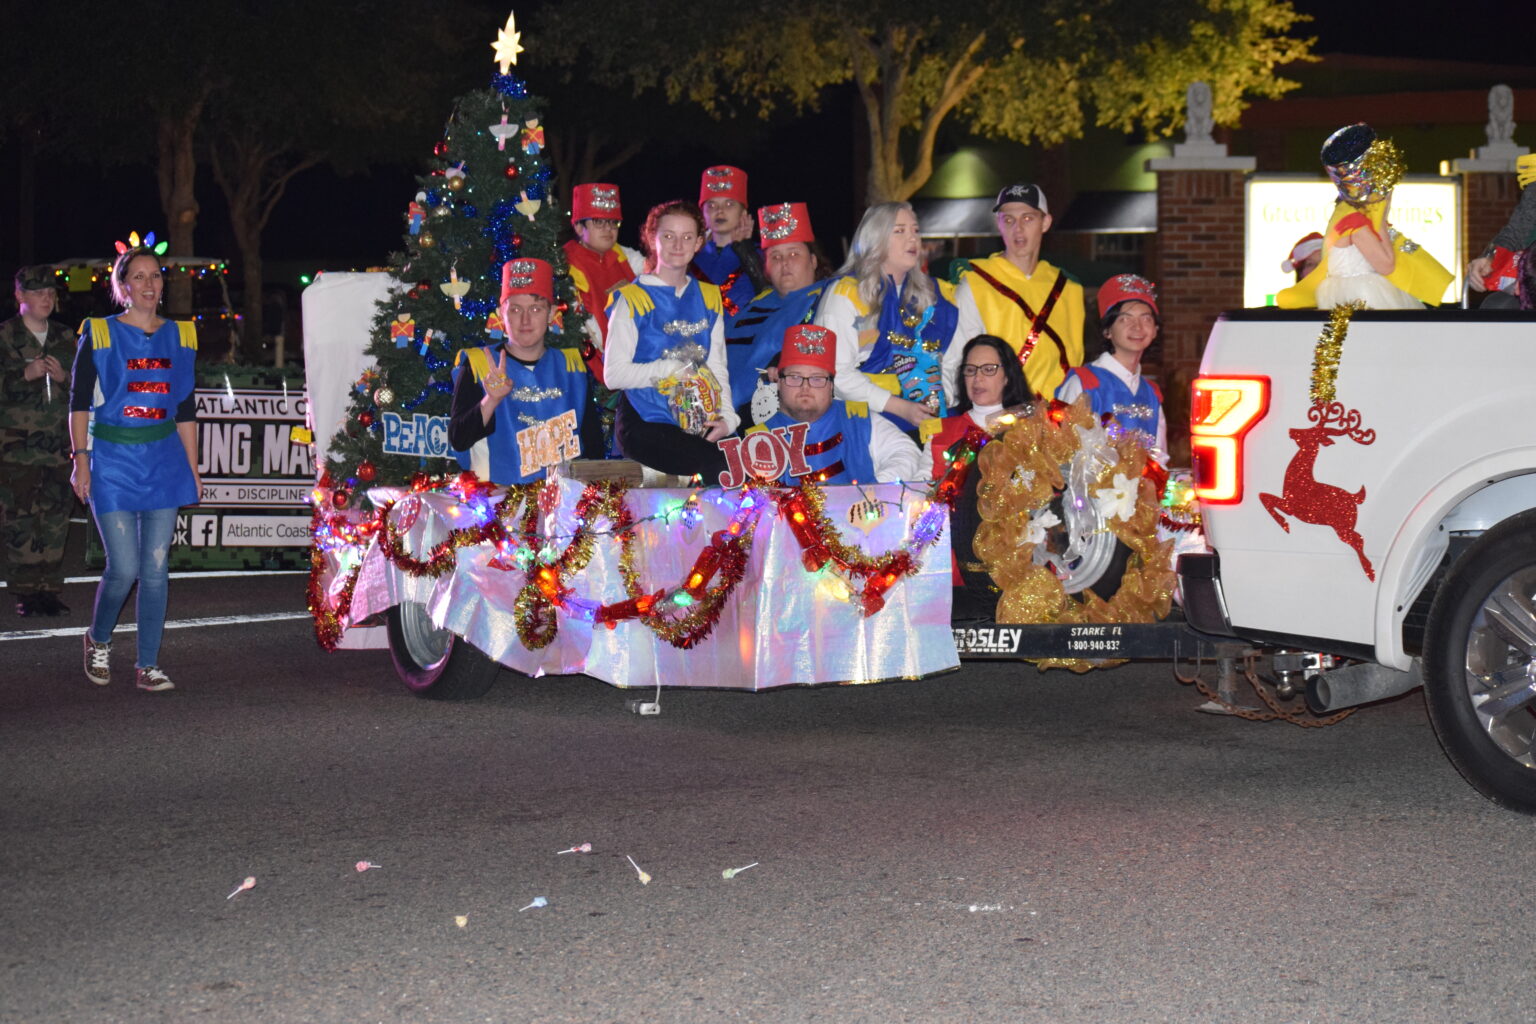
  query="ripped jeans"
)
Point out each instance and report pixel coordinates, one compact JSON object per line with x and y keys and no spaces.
{"x":138,"y":546}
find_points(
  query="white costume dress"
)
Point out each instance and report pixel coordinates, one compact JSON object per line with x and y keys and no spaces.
{"x":1351,"y":278}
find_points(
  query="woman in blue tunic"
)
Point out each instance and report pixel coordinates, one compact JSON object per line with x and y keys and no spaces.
{"x":891,"y":319}
{"x":666,"y":353}
{"x":133,"y":424}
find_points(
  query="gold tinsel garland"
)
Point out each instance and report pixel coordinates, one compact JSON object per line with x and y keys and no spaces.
{"x":1329,"y":349}
{"x":1021,"y":474}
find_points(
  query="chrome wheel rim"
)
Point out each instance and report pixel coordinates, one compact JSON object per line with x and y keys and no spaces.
{"x":1500,"y":669}
{"x":424,"y":642}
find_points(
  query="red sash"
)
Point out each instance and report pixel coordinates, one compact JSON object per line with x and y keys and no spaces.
{"x":1037,"y":321}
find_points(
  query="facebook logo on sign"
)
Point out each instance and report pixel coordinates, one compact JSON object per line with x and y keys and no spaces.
{"x":203,"y":531}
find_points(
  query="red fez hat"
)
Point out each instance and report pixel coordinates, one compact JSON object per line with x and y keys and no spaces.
{"x":810,"y":345}
{"x":723,"y":182}
{"x":595,"y":202}
{"x":528,"y":277}
{"x":785,"y":223}
{"x":1124,"y":288}
{"x":1301,"y":250}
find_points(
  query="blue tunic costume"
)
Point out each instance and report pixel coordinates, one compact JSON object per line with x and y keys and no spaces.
{"x":666,"y":322}
{"x":756,"y":334}
{"x":1108,"y":394}
{"x":836,"y":446}
{"x":557,"y":382}
{"x":138,"y":462}
{"x":721,"y":266}
{"x":906,"y":355}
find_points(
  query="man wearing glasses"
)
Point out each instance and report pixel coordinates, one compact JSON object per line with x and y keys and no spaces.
{"x":844,"y":444}
{"x":509,"y":420}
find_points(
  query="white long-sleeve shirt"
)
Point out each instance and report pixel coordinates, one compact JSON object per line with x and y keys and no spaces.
{"x":896,"y":456}
{"x":621,"y":372}
{"x":838,"y":314}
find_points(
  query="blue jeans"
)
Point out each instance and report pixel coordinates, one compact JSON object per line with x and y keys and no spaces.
{"x":138,"y":548}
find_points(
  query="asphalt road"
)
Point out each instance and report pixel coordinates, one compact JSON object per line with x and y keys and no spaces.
{"x":992,"y":845}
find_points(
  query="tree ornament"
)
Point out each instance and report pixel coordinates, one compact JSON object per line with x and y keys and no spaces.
{"x":341,"y":497}
{"x":441,"y":211}
{"x":502,"y":132}
{"x":455,"y":184}
{"x":441,"y":149}
{"x":511,"y":171}
{"x":366,"y":470}
{"x":425,"y":240}
{"x":507,"y":47}
{"x":365,"y":418}
{"x":455,"y":288}
{"x":383,"y":397}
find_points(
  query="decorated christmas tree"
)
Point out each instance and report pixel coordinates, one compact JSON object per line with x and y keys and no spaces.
{"x":485,"y":201}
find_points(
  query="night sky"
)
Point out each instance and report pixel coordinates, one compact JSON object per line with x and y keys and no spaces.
{"x":335,"y":222}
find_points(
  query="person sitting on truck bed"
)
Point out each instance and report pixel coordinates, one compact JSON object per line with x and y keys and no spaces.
{"x":1113,"y":381}
{"x":1497,"y":270}
{"x":509,"y":399}
{"x":844,"y":444}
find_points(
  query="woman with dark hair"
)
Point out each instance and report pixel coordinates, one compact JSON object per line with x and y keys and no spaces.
{"x":133,"y":424}
{"x":891,"y":320}
{"x":666,"y":353}
{"x":991,"y":380}
{"x":1113,"y":382}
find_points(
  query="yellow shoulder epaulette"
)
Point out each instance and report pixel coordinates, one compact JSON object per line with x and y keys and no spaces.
{"x":859,"y":409}
{"x":188,"y":332}
{"x":946,"y":289}
{"x":573,"y":361}
{"x":928,"y":429}
{"x":640,"y":301}
{"x":848,"y":288}
{"x":579,"y":280}
{"x":711,"y":294}
{"x":101,"y":336}
{"x":479,"y":362}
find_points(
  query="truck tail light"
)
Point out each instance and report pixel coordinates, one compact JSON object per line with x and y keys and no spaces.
{"x":1222,"y":411}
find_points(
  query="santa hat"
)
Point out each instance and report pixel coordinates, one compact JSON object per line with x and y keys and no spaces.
{"x":595,"y":202}
{"x":785,"y":223}
{"x":723,"y":182}
{"x":1307,"y":246}
{"x":810,"y":345}
{"x":528,"y":277}
{"x":1124,"y":288}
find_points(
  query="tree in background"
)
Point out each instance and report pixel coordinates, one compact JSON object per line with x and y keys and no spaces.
{"x":485,"y":201}
{"x":1026,"y":70}
{"x":256,"y":92}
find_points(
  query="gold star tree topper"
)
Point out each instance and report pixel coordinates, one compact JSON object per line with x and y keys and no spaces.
{"x":506,"y":45}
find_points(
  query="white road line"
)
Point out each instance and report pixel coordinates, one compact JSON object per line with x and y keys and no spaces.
{"x":210,"y":575}
{"x":129,"y":627}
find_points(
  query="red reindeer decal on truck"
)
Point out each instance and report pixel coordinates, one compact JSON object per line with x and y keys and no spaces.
{"x":1322,"y":504}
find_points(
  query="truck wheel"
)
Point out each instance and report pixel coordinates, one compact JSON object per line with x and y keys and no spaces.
{"x":434,"y":662}
{"x":1480,"y":664}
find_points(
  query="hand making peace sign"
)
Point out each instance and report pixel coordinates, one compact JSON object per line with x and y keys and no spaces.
{"x":496,"y":384}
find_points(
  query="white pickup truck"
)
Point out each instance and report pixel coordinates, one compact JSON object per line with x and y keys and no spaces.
{"x":1394,"y":525}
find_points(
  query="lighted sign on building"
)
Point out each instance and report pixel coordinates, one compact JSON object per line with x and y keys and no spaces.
{"x":1283,"y":208}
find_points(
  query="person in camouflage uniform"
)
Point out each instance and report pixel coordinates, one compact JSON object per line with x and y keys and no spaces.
{"x":34,"y":446}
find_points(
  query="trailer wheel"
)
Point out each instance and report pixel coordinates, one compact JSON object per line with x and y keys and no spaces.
{"x":1480,"y":664}
{"x":434,"y":663}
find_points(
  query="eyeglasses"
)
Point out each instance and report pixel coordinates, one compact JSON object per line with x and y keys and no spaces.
{"x":794,"y":380}
{"x":538,"y":310}
{"x":985,"y":369}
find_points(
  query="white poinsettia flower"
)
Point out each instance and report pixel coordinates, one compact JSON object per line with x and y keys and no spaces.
{"x":1038,"y":526}
{"x":1117,"y":501}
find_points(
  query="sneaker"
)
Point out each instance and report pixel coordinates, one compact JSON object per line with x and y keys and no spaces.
{"x":154,"y":680}
{"x":98,"y":661}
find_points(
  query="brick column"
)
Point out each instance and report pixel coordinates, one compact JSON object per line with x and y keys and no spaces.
{"x":1487,"y":200}
{"x":1198,"y":257}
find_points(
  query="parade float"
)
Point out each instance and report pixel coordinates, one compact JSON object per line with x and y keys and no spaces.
{"x":733,"y":583}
